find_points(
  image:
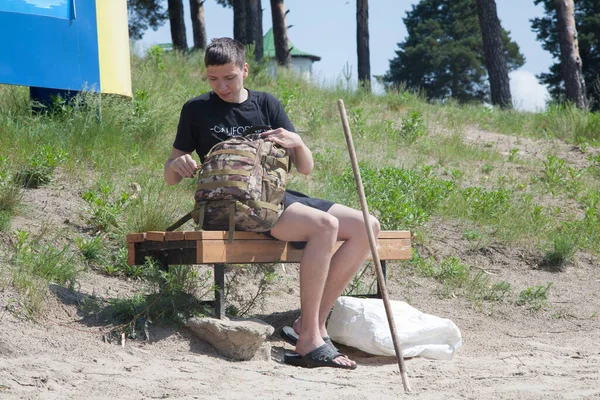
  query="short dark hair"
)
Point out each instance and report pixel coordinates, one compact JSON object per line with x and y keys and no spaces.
{"x":223,"y":51}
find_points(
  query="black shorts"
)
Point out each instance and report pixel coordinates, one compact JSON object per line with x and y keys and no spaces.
{"x":291,"y":197}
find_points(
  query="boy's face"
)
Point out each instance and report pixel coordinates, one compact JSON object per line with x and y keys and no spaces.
{"x":227,"y":81}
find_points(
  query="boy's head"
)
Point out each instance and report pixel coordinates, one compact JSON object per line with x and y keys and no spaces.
{"x":223,"y":51}
{"x":226,"y":69}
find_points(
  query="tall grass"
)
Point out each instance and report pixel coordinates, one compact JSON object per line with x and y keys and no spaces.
{"x":34,"y":265}
{"x":10,"y":194}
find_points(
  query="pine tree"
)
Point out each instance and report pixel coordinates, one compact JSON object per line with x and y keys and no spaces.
{"x":198,"y":24}
{"x":495,"y":58}
{"x":280,"y":34}
{"x":570,"y":61}
{"x":362,"y":43}
{"x":178,"y":35}
{"x":254,"y":31}
{"x":240,"y":20}
{"x":145,"y":14}
{"x":587,"y":23}
{"x":443,"y":53}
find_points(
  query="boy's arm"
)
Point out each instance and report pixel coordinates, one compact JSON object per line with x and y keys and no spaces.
{"x":300,"y":154}
{"x":179,"y":165}
{"x":301,"y":157}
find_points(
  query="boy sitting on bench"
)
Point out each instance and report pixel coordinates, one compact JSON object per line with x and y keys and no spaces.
{"x":228,"y":110}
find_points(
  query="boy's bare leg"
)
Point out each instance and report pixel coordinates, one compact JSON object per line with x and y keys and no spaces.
{"x":346,"y":261}
{"x":320,"y":231}
{"x":349,"y":257}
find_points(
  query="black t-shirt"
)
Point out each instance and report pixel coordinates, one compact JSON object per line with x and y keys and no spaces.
{"x":207,"y":120}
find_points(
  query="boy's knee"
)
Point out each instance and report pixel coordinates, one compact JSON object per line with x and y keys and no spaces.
{"x":375,"y":228}
{"x":375,"y":225}
{"x":327,"y":224}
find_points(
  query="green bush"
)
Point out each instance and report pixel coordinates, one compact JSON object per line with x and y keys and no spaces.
{"x":534,"y":298}
{"x":91,"y":249}
{"x":171,"y":298}
{"x":400,"y":198}
{"x":105,"y":209}
{"x":40,"y":167}
{"x":34,"y":265}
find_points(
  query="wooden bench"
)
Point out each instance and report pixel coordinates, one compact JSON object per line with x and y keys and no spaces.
{"x":212,"y":247}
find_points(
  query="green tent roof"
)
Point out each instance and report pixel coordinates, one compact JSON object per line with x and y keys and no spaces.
{"x":269,"y":48}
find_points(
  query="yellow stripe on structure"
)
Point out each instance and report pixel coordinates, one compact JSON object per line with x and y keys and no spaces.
{"x":113,"y":47}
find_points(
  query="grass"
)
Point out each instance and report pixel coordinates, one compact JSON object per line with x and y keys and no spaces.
{"x":459,"y":279}
{"x":415,"y":166}
{"x":10,"y":194}
{"x":33,"y":265}
{"x":534,"y":298}
{"x":168,"y":298}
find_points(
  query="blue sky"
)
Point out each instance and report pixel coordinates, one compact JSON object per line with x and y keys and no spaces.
{"x":327,"y":28}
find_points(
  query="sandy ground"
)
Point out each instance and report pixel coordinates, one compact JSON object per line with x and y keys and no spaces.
{"x":508,"y":351}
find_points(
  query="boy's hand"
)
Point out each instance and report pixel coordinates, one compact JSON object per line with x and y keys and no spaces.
{"x":283,"y":137}
{"x":185,"y":166}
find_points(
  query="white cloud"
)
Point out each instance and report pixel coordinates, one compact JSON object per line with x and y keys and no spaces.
{"x":46,"y":3}
{"x":527,"y":93}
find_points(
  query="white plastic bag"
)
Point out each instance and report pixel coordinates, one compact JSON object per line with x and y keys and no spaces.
{"x":363,"y":324}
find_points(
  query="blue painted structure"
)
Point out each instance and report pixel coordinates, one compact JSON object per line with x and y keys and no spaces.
{"x":61,"y":47}
{"x":50,"y":51}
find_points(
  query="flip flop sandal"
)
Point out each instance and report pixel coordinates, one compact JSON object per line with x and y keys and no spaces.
{"x":289,"y":335}
{"x":322,"y":356}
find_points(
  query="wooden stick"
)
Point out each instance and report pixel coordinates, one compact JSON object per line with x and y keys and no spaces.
{"x":376,"y":260}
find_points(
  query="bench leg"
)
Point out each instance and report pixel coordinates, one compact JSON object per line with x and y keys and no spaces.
{"x":163,"y":265}
{"x":219,"y":271}
{"x":384,"y":278}
{"x":163,"y":262}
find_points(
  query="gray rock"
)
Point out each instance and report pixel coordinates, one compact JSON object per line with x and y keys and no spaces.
{"x":236,"y":339}
{"x":263,"y":353}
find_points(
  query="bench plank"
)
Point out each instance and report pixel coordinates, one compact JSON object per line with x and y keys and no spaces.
{"x":136,"y":237}
{"x":248,"y":247}
{"x":268,"y":250}
{"x":223,"y":235}
{"x":155,"y":236}
{"x":172,"y":236}
{"x":245,"y":251}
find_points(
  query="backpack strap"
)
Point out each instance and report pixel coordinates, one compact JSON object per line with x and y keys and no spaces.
{"x":240,"y":172}
{"x":262,"y":204}
{"x":180,"y":222}
{"x":199,"y":210}
{"x":218,"y":184}
{"x":280,"y":162}
{"x":234,"y":152}
{"x":196,"y":213}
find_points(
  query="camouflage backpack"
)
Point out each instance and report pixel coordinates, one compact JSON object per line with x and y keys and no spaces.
{"x":240,"y":186}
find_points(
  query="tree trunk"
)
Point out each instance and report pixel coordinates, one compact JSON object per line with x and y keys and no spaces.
{"x":239,"y":21}
{"x":280,"y":35}
{"x":178,"y":37}
{"x":259,"y":50}
{"x":198,"y":25}
{"x":495,"y":58}
{"x":570,"y":61}
{"x":362,"y":43}
{"x":252,"y":25}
